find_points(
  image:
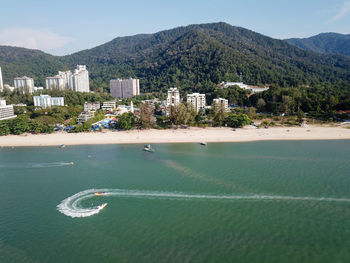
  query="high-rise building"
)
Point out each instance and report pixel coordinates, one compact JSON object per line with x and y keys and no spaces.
{"x":173,"y":97}
{"x":80,"y":79}
{"x":24,"y":84}
{"x":197,"y":101}
{"x":62,"y":81}
{"x":6,"y":111}
{"x":1,"y":82}
{"x":221,"y":103}
{"x":46,"y":101}
{"x":55,"y":83}
{"x":124,"y":88}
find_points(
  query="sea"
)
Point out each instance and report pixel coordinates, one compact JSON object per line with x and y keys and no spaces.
{"x":269,"y":201}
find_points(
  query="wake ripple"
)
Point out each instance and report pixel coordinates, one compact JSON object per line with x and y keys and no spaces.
{"x":71,"y":206}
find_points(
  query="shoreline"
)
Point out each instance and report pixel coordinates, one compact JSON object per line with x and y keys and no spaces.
{"x":190,"y":135}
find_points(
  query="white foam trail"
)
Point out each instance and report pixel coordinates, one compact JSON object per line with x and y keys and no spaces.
{"x":34,"y":165}
{"x":71,"y":205}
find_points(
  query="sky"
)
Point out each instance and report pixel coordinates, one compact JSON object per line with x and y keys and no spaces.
{"x":67,"y":26}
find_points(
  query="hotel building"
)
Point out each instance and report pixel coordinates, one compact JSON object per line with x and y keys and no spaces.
{"x":124,"y":88}
{"x":173,"y":97}
{"x":6,"y":111}
{"x":80,"y":79}
{"x":197,"y":101}
{"x":24,"y":84}
{"x":46,"y":101}
{"x":221,"y":102}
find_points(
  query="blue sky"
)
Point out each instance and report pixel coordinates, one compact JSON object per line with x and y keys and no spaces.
{"x":63,"y":27}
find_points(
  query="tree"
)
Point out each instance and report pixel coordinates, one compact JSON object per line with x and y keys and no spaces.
{"x":4,"y":128}
{"x":237,"y":120}
{"x":261,"y":104}
{"x":146,"y":120}
{"x":182,"y":114}
{"x":251,"y":112}
{"x":218,"y":114}
{"x":126,"y":121}
{"x":20,"y":125}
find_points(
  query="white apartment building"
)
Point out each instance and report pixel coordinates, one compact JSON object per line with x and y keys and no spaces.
{"x":6,"y":111}
{"x":92,"y":106}
{"x":85,"y":116}
{"x":46,"y":101}
{"x":55,"y":83}
{"x":173,"y":97}
{"x":221,"y":102}
{"x":197,"y":101}
{"x":80,"y":79}
{"x":1,"y":82}
{"x":24,"y":84}
{"x":109,"y":105}
{"x":124,"y":88}
{"x":62,"y":81}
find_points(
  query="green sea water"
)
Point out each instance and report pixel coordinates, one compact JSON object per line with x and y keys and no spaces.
{"x":230,"y":202}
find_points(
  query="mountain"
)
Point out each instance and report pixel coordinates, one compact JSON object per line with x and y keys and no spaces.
{"x":17,"y":62}
{"x":327,"y":43}
{"x":195,"y":58}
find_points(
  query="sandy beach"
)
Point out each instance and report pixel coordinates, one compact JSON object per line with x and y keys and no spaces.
{"x":190,"y":135}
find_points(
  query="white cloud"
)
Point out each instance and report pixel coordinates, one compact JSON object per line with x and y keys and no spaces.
{"x":43,"y":39}
{"x":342,"y":12}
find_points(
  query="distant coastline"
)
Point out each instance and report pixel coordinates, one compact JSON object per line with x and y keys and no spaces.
{"x":190,"y":135}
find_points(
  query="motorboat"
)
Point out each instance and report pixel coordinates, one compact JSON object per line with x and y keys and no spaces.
{"x":102,"y":206}
{"x":62,"y":146}
{"x":99,"y":193}
{"x":203,"y":143}
{"x":71,"y":163}
{"x":148,"y":148}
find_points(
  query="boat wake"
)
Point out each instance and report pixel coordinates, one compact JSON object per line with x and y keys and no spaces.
{"x":35,"y":165}
{"x":72,"y":206}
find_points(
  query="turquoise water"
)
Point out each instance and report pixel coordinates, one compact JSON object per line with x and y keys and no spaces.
{"x":232,"y":202}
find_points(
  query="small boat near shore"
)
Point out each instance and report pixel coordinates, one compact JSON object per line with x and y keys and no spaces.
{"x":148,"y":148}
{"x":203,"y":143}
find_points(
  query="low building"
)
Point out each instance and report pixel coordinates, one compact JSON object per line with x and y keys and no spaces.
{"x":221,"y":103}
{"x":197,"y":101}
{"x":85,"y":116}
{"x":109,"y":105}
{"x":24,"y":84}
{"x":46,"y":101}
{"x":253,"y":89}
{"x":92,"y":106}
{"x":6,"y":111}
{"x":173,"y":97}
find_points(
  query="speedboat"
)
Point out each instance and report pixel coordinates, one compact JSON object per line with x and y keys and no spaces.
{"x":99,"y":193}
{"x":102,"y":206}
{"x":62,"y":146}
{"x":71,"y":163}
{"x":203,"y":143}
{"x":148,"y":148}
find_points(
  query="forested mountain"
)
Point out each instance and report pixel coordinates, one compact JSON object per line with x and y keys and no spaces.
{"x":195,"y":57}
{"x":17,"y":62}
{"x":327,"y":43}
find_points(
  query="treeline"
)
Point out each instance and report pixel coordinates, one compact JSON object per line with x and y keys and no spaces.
{"x":182,"y":115}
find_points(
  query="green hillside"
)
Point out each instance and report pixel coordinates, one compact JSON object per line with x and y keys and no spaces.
{"x":327,"y":43}
{"x":196,"y":58}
